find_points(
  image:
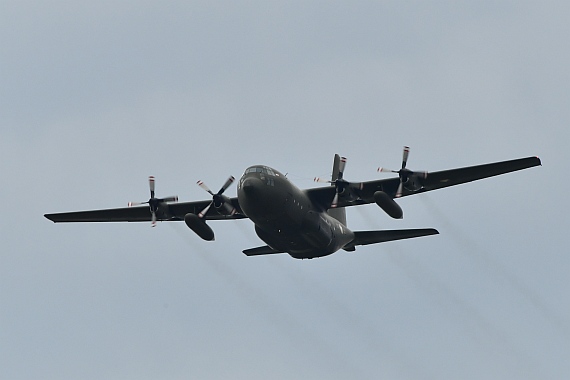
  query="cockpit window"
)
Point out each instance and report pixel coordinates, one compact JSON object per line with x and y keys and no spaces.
{"x":260,"y":169}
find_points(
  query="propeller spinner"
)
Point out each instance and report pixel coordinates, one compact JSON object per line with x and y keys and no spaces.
{"x":404,"y":173}
{"x":154,"y":202}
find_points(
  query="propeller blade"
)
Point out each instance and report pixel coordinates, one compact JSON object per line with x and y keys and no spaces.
{"x":341,"y":167}
{"x":226,"y":185}
{"x":153,"y":219}
{"x":131,"y":204}
{"x":421,"y":173}
{"x":205,"y":210}
{"x":170,"y":199}
{"x":335,"y":200}
{"x":322,"y":180}
{"x":151,"y":185}
{"x":400,"y":189}
{"x":405,"y":156}
{"x":203,"y":186}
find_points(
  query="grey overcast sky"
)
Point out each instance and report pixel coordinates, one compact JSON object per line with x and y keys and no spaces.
{"x":96,"y":96}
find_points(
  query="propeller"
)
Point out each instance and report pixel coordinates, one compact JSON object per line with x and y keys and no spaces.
{"x":337,"y":179}
{"x":403,"y":173}
{"x":153,"y":202}
{"x":218,"y":199}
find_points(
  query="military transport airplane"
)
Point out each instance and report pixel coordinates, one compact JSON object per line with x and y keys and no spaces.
{"x":303,"y":223}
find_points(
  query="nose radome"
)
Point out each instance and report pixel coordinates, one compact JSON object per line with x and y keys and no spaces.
{"x":252,"y":186}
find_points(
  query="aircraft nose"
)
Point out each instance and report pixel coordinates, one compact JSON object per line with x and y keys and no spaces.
{"x":252,"y":186}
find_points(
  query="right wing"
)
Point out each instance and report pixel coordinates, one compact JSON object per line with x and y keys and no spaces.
{"x":322,"y":196}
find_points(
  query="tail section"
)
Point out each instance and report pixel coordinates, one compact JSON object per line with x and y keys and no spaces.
{"x":373,"y":237}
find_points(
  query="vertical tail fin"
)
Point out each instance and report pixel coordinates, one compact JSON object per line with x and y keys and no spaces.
{"x":337,"y":213}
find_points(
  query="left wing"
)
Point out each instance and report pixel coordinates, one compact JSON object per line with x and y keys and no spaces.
{"x":165,"y":212}
{"x":437,"y":180}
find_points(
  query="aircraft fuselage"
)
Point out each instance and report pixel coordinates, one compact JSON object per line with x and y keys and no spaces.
{"x":285,"y":218}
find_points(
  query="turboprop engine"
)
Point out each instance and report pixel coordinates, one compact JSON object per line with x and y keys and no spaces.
{"x":411,"y":180}
{"x":223,"y":205}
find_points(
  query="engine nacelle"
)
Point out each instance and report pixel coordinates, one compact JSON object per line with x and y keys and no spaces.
{"x":387,"y":204}
{"x":220,"y":201}
{"x":415,"y":181}
{"x":196,"y":224}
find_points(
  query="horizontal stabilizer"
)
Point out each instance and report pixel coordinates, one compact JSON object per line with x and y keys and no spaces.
{"x":265,"y":250}
{"x":372,"y":237}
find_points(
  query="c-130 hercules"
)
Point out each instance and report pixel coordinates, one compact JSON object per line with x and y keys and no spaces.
{"x":306,"y":223}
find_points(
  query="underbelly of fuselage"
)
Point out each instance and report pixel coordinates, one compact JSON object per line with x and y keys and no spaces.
{"x":316,"y":235}
{"x":284,"y":218}
{"x":295,"y":242}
